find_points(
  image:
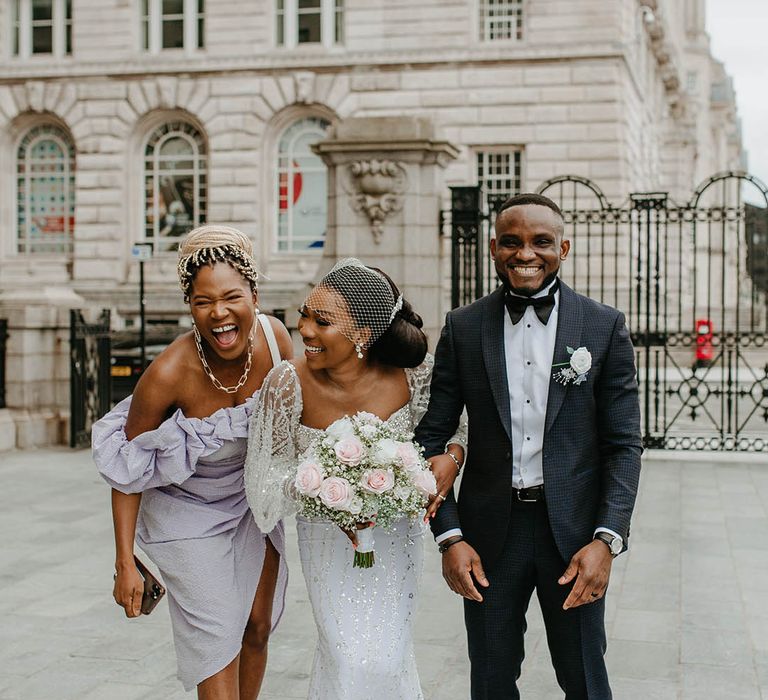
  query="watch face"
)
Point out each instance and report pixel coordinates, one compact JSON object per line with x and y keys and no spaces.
{"x":616,"y":545}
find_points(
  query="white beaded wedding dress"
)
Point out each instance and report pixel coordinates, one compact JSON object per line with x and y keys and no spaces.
{"x":364,"y":617}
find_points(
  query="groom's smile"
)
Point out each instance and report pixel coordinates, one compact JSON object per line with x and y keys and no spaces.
{"x":528,"y":247}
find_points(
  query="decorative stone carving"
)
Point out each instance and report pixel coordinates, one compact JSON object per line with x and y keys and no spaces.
{"x":379,"y":185}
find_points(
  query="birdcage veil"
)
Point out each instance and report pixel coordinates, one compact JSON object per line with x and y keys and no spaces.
{"x":356,"y":300}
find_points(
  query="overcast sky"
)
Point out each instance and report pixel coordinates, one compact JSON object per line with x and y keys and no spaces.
{"x":739,"y":33}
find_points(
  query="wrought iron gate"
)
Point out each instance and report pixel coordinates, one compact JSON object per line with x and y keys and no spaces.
{"x":89,"y":374}
{"x":692,"y":280}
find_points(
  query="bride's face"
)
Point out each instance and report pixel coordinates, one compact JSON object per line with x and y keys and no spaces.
{"x":322,"y":316}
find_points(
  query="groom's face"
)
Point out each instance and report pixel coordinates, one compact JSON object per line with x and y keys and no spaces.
{"x":528,"y":247}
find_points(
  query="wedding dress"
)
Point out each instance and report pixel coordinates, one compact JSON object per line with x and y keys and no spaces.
{"x":364,"y":617}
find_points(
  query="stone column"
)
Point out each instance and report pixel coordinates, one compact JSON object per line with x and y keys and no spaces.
{"x":384,"y":190}
{"x":37,"y":366}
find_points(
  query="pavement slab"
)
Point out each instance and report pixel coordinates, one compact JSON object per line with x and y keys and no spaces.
{"x":686,"y":613}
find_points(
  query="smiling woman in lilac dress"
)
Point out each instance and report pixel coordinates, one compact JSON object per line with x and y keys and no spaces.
{"x":173,"y":454}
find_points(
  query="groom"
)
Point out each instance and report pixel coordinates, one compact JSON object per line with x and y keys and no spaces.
{"x":547,"y":377}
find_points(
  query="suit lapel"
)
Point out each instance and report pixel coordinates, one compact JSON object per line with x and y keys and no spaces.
{"x":568,"y":334}
{"x":492,"y":339}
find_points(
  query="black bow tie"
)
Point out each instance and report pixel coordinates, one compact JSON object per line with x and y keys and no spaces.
{"x":543,"y":306}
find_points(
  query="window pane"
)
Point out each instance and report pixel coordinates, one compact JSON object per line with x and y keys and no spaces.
{"x":309,"y":28}
{"x":42,"y":39}
{"x":339,"y":23}
{"x":15,"y":25}
{"x":173,"y":34}
{"x":173,"y":7}
{"x":42,"y":10}
{"x":301,"y":188}
{"x":68,"y":9}
{"x":68,"y":39}
{"x":309,"y":3}
{"x":175,"y":183}
{"x":45,"y":203}
{"x":200,"y":33}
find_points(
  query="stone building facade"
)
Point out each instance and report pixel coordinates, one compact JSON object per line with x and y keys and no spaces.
{"x":129,"y":121}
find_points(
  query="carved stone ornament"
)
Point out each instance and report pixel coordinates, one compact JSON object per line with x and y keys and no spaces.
{"x":378,"y":187}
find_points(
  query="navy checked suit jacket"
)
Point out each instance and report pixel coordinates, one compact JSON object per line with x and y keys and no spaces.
{"x":592,"y":443}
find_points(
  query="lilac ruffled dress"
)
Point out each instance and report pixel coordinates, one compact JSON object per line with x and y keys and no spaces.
{"x":195,"y":525}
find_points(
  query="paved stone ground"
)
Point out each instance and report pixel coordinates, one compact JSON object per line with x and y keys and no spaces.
{"x":687,"y":609}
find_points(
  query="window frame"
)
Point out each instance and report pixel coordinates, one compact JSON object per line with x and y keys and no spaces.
{"x":482,"y":177}
{"x":151,"y":27}
{"x":64,"y":243}
{"x":159,"y":135}
{"x":485,"y":23}
{"x":286,"y":13}
{"x":21,"y":26}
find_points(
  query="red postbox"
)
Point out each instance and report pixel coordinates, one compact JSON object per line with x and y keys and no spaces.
{"x":704,"y":349}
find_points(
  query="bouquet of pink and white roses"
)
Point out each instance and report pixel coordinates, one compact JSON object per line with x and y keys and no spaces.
{"x":363,"y":471}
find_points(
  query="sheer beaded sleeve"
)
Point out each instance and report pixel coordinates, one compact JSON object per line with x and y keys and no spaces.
{"x":419,"y":379}
{"x":271,"y":460}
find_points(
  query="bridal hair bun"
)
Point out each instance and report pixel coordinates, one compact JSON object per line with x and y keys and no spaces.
{"x":404,"y":343}
{"x":212,"y":243}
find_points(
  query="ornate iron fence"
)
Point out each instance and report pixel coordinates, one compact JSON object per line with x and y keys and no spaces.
{"x":692,"y":280}
{"x":89,"y":374}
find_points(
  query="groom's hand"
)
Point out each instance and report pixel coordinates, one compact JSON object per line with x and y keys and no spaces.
{"x":461,"y":568}
{"x":591,"y":569}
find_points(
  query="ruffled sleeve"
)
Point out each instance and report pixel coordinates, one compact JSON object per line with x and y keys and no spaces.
{"x":166,"y":455}
{"x":419,"y":379}
{"x":271,"y":460}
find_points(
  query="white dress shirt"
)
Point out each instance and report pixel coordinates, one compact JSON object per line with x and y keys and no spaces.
{"x":529,"y":346}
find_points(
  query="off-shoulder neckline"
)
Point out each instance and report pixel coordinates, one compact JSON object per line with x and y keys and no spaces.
{"x":409,"y":371}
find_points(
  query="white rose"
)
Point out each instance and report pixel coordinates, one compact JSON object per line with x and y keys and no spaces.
{"x":356,"y":505}
{"x":384,"y":452}
{"x":425,"y":482}
{"x":581,"y":360}
{"x":368,"y":431}
{"x":341,"y":428}
{"x":402,"y":493}
{"x":409,"y":456}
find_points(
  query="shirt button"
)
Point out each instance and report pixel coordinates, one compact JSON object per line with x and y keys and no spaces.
{"x":527,"y":438}
{"x":527,"y":401}
{"x":508,"y":455}
{"x":528,"y":362}
{"x":529,"y":325}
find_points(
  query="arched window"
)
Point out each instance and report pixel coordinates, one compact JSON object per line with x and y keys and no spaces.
{"x":45,"y":168}
{"x":175,"y":184}
{"x":302,"y":205}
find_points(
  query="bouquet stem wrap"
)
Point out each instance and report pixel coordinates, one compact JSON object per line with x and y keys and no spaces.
{"x":364,"y":554}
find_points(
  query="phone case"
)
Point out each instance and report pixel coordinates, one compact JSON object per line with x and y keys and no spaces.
{"x":153,"y":589}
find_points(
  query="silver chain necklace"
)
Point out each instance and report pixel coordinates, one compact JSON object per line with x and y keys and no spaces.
{"x":243,"y":379}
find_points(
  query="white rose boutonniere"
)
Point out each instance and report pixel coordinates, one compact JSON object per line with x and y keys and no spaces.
{"x":577,"y":368}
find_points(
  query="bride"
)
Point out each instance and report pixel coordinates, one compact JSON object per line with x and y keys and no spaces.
{"x":364,"y":351}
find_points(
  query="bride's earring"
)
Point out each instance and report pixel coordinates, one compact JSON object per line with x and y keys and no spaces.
{"x":359,"y":351}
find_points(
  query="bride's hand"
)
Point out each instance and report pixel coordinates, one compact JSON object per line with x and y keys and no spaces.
{"x":445,"y":471}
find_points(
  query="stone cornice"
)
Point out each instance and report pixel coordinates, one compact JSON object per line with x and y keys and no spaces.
{"x":326,"y":61}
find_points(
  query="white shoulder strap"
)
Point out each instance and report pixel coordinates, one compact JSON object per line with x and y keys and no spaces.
{"x":269,"y":334}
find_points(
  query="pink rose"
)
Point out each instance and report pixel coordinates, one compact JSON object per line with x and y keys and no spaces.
{"x":350,"y":451}
{"x":336,"y":493}
{"x":424,"y":481}
{"x":377,"y":480}
{"x":409,"y":456}
{"x":309,"y":478}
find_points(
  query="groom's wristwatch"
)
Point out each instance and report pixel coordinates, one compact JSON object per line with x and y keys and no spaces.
{"x":445,"y":545}
{"x":614,"y":542}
